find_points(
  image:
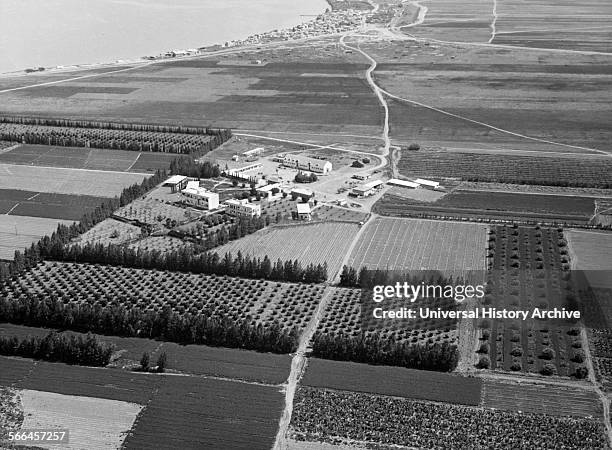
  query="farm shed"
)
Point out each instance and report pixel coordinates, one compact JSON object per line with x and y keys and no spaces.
{"x":266,"y":191}
{"x":306,"y":163}
{"x":427,"y":183}
{"x":367,"y":189}
{"x":254,"y":152}
{"x":403,"y":183}
{"x":304,"y":194}
{"x":303,"y":211}
{"x":176,"y":183}
{"x":198,"y":196}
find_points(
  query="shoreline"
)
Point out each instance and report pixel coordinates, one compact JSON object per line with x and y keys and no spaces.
{"x":267,"y":37}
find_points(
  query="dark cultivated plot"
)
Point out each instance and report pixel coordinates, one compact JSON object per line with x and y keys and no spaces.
{"x":68,"y":91}
{"x":192,"y":412}
{"x":394,"y":381}
{"x":53,"y":206}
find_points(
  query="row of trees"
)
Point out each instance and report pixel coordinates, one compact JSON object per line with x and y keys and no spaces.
{"x":189,"y":260}
{"x":225,"y":233}
{"x":372,"y":349}
{"x":126,"y":126}
{"x":203,"y":328}
{"x":84,"y":351}
{"x":368,"y":278}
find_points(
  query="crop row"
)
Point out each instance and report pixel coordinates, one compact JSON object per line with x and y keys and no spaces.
{"x":334,"y":416}
{"x":585,"y":172}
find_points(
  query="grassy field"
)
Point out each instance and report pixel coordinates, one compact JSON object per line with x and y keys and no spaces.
{"x":41,"y":204}
{"x":316,"y":243}
{"x":405,"y":244}
{"x":19,"y":232}
{"x":65,"y":181}
{"x":591,"y":250}
{"x":393,"y":381}
{"x":86,"y":158}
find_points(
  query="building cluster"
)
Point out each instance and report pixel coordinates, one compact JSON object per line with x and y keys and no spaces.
{"x":328,"y":23}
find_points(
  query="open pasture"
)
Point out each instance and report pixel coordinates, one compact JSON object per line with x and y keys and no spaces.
{"x":162,"y":244}
{"x":335,"y":416}
{"x":86,"y":158}
{"x":569,"y":170}
{"x":412,"y":245}
{"x":109,"y":231}
{"x":316,"y":243}
{"x":42,"y":204}
{"x":591,"y":250}
{"x":393,"y":381}
{"x":92,"y":422}
{"x":261,"y":301}
{"x":555,"y":25}
{"x":151,"y":211}
{"x":535,"y":398}
{"x":19,"y":232}
{"x":307,"y":96}
{"x":328,"y":213}
{"x":66,"y":181}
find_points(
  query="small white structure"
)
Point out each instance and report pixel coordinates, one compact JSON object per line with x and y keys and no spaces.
{"x":306,"y":163}
{"x":305,"y":194}
{"x":367,"y":189}
{"x":266,"y":191}
{"x":361,"y":176}
{"x":303,"y":211}
{"x":242,"y":208}
{"x":176,"y":182}
{"x":403,"y":183}
{"x":200,"y":197}
{"x":254,"y":152}
{"x":427,"y":183}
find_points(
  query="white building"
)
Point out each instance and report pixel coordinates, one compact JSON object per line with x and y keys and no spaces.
{"x":254,"y":152}
{"x":243,"y":208}
{"x":176,"y":182}
{"x":428,"y":183}
{"x":306,"y":163}
{"x":200,"y":197}
{"x":303,"y":211}
{"x":266,"y":191}
{"x":367,"y":189}
{"x":305,"y":194}
{"x":403,"y":183}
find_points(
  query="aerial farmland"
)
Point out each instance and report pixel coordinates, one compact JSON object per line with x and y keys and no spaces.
{"x":386,"y":227}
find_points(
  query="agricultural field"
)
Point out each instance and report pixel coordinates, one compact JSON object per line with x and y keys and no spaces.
{"x":392,"y":381}
{"x":42,"y":204}
{"x":162,"y":244}
{"x":568,"y":170}
{"x":494,"y":206}
{"x":315,"y":243}
{"x":171,"y":404}
{"x":591,"y":251}
{"x":86,"y":158}
{"x":92,"y":422}
{"x":152,"y":212}
{"x":109,"y":231}
{"x":19,"y":232}
{"x":533,"y":398}
{"x":529,"y":268}
{"x":349,"y":314}
{"x":328,"y":213}
{"x":265,"y":302}
{"x":231,"y":363}
{"x":413,"y":245}
{"x":66,"y":181}
{"x":336,"y":416}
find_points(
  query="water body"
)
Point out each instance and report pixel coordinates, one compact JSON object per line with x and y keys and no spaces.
{"x":49,"y":33}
